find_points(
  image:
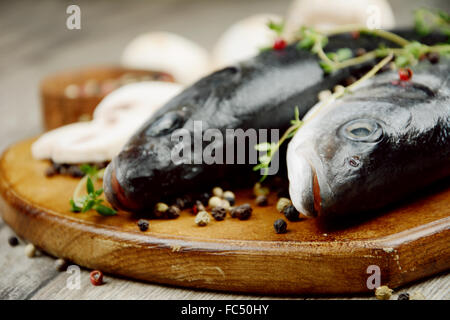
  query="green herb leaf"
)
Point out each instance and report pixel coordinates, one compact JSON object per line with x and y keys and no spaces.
{"x":89,"y":170}
{"x":89,"y":186}
{"x":326,"y":67}
{"x":74,"y":207}
{"x":278,"y":28}
{"x":88,"y":205}
{"x":104,"y":210}
{"x":344,"y":54}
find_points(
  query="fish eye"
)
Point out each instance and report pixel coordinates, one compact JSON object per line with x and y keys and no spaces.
{"x":165,"y":124}
{"x":362,"y":130}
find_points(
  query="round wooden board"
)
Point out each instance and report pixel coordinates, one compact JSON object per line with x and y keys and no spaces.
{"x":407,"y":243}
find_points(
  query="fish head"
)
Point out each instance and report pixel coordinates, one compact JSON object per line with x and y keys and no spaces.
{"x":343,"y":153}
{"x":144,"y":168}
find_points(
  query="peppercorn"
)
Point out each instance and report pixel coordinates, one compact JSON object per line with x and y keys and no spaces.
{"x":323,"y":95}
{"x":291,"y":213}
{"x":283,"y":203}
{"x":280,"y":226}
{"x":160,"y":209}
{"x":30,"y":250}
{"x":173,"y":212}
{"x":219,"y":213}
{"x":143,"y":225}
{"x":279,"y":44}
{"x":13,"y":241}
{"x":349,"y":80}
{"x":230,"y":197}
{"x":259,"y":190}
{"x":198,"y":206}
{"x":204,"y":197}
{"x":218,"y":192}
{"x":202,"y":218}
{"x":403,"y":296}
{"x":63,"y":169}
{"x":96,"y":277}
{"x":179,"y":202}
{"x":225,"y":204}
{"x":75,"y":172}
{"x":383,"y":293}
{"x":188,"y":201}
{"x":214,"y":201}
{"x":261,"y":201}
{"x":60,"y":264}
{"x":242,"y":212}
{"x":405,"y":74}
{"x":338,"y":88}
{"x":50,"y":171}
{"x":360,"y":52}
{"x":433,"y":57}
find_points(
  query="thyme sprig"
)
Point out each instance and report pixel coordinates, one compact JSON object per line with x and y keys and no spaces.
{"x":428,"y":20}
{"x":90,"y":200}
{"x":272,"y":148}
{"x":297,"y":123}
{"x":408,"y":53}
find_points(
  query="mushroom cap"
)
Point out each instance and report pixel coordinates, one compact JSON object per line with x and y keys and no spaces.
{"x":326,"y":14}
{"x":185,"y":60}
{"x":244,"y":39}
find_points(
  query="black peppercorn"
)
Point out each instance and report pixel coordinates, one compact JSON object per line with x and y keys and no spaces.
{"x":280,"y":226}
{"x":242,"y":212}
{"x":13,"y":241}
{"x":433,"y":57}
{"x":403,"y":296}
{"x":173,"y":212}
{"x":50,"y":171}
{"x":219,"y":213}
{"x":291,"y":213}
{"x":261,"y":201}
{"x":143,"y":224}
{"x":204,"y":197}
{"x":188,"y":201}
{"x":360,"y":52}
{"x":75,"y":171}
{"x":349,"y":81}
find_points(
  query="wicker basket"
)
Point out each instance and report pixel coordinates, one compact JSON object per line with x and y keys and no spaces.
{"x":60,"y":108}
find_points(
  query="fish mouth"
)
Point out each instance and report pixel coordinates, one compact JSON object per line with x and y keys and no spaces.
{"x":304,"y":187}
{"x":114,"y":192}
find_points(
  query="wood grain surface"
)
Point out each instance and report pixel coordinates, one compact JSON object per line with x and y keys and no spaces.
{"x":407,"y":243}
{"x":34,"y":42}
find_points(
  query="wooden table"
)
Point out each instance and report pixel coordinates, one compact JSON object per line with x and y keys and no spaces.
{"x":34,"y":41}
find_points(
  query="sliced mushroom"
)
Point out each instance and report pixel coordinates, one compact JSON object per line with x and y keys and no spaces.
{"x":116,"y":118}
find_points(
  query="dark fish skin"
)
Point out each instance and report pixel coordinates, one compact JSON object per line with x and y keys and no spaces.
{"x":407,"y":149}
{"x":258,"y":93}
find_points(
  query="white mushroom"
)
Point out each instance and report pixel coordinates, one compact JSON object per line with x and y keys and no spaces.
{"x":244,"y":39}
{"x":325,"y":14}
{"x":167,"y":52}
{"x":116,"y":118}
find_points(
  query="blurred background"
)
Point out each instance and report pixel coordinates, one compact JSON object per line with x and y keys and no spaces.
{"x":35,"y":42}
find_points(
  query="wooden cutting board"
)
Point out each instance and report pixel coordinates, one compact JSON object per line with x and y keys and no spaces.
{"x":407,"y":243}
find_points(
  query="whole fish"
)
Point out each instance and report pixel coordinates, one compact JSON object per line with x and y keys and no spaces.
{"x":259,"y":93}
{"x":373,"y":146}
